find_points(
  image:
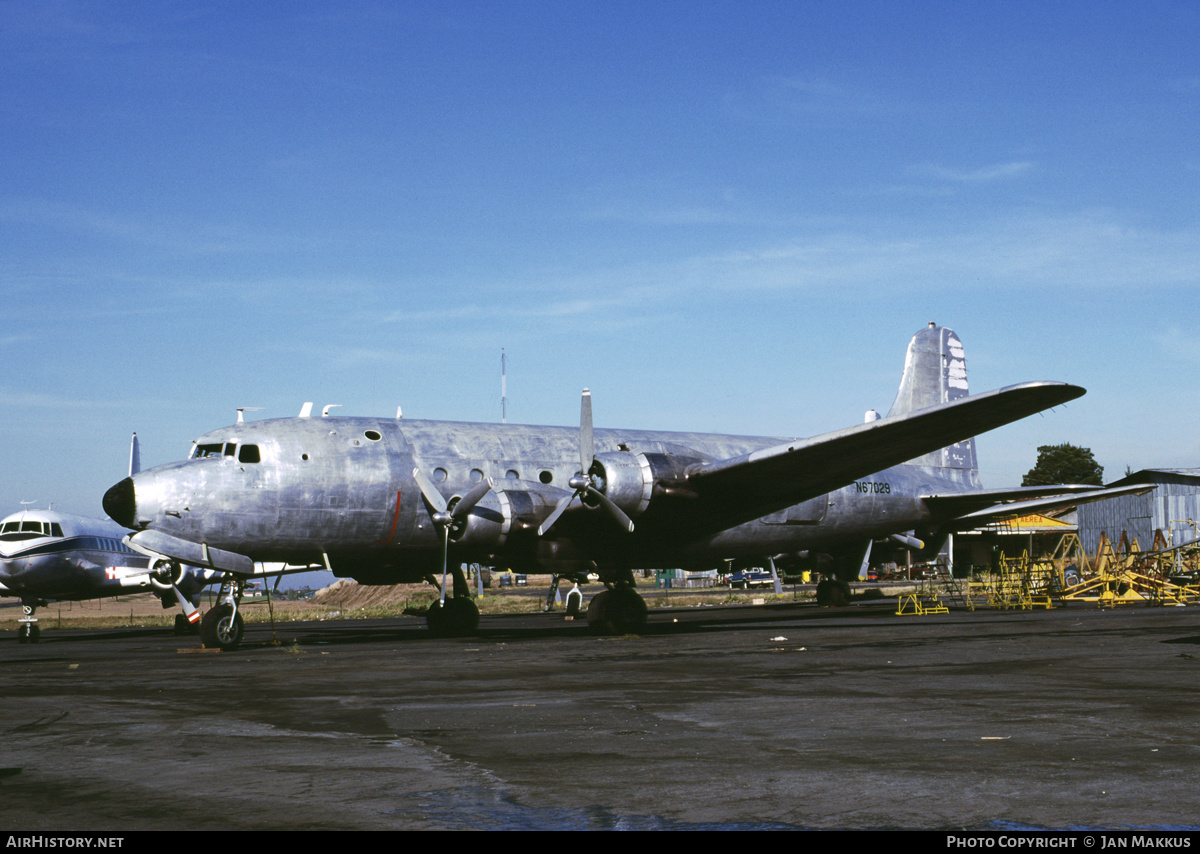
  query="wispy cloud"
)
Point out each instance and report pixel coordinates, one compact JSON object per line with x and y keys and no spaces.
{"x":1083,"y":250}
{"x":176,"y":236}
{"x":681,"y":215}
{"x":980,"y":175}
{"x":786,"y":99}
{"x":41,"y":400}
{"x":1178,"y":345}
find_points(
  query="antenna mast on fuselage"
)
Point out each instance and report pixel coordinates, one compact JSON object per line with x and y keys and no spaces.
{"x":503,"y":387}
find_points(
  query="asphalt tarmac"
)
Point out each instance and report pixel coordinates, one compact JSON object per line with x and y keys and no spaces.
{"x":784,"y":716}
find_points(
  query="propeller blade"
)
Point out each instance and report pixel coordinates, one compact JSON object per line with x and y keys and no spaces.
{"x":587,"y":447}
{"x":189,"y":610}
{"x":553,"y":517}
{"x":436,"y":500}
{"x":464,"y":504}
{"x":613,"y":510}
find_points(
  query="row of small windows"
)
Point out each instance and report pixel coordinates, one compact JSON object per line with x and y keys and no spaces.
{"x":440,"y":475}
{"x":105,"y":544}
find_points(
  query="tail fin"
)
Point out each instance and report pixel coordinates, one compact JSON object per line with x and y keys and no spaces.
{"x":935,"y":371}
{"x":135,"y":456}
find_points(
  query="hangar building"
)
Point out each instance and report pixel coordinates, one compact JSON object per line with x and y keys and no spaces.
{"x":1169,"y":508}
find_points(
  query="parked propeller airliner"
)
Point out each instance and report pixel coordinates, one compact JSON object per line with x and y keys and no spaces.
{"x":385,"y":500}
{"x":46,"y":555}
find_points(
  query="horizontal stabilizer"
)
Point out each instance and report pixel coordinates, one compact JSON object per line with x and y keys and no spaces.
{"x":764,"y":481}
{"x":952,"y":505}
{"x":1036,"y":505}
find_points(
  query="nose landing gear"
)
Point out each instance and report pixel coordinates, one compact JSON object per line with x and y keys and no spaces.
{"x":222,"y":625}
{"x":28,"y":631}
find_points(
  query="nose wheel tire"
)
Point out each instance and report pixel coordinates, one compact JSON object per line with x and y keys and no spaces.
{"x":221,"y":628}
{"x":28,"y":633}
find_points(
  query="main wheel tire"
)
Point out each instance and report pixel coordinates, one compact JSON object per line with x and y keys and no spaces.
{"x":620,"y":611}
{"x":833,"y":594}
{"x":458,"y":617}
{"x":221,"y":628}
{"x":597,"y":612}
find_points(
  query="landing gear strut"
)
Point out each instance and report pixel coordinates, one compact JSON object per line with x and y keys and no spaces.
{"x":222,"y":626}
{"x":28,"y":631}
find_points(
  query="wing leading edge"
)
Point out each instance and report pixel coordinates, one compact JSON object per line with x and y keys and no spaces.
{"x":751,"y":485}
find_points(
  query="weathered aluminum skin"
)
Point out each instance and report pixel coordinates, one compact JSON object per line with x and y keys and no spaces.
{"x":341,"y":490}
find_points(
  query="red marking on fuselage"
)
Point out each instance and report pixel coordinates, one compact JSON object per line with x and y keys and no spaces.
{"x":395,"y":520}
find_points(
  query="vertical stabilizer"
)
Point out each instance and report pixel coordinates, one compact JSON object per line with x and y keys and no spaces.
{"x":935,"y":371}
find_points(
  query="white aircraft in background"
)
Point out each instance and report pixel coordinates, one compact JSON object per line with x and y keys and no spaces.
{"x":46,"y":555}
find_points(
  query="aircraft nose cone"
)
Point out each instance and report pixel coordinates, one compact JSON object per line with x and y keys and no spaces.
{"x":120,"y":504}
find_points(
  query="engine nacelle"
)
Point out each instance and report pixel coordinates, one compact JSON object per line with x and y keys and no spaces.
{"x":631,"y":477}
{"x":626,"y":478}
{"x":487,"y":525}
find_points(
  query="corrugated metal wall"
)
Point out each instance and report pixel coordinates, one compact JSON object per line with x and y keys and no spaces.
{"x":1177,"y":497}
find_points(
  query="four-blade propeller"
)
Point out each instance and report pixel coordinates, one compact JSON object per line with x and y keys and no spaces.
{"x":450,"y":515}
{"x":588,"y":482}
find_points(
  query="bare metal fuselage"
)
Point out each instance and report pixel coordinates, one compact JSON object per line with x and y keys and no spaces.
{"x":341,"y":491}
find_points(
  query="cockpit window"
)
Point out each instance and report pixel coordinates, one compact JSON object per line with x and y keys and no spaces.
{"x":243,"y":454}
{"x":27,"y":530}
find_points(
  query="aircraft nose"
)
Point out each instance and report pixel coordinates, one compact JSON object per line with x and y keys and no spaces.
{"x":120,"y":503}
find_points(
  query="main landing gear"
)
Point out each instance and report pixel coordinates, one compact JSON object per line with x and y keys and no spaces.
{"x":833,"y":593}
{"x":618,"y":610}
{"x":457,"y":616}
{"x":222,"y":625}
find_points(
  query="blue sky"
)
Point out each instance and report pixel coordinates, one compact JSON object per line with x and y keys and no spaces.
{"x":719,"y":216}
